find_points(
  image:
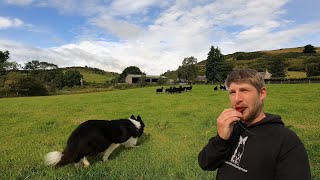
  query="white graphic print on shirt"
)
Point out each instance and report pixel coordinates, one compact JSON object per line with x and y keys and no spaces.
{"x":236,"y":157}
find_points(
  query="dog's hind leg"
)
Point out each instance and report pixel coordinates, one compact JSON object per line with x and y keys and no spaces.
{"x":108,"y":151}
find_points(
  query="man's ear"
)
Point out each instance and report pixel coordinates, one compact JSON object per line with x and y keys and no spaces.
{"x":263,"y":93}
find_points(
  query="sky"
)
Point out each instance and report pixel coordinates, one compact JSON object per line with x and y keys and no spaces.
{"x":154,"y":35}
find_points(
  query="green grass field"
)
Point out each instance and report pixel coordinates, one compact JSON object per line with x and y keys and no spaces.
{"x":177,"y":127}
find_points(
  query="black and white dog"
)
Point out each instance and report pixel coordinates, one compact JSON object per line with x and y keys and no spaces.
{"x":97,"y":136}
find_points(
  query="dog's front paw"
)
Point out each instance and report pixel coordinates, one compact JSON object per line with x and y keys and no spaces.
{"x":105,"y":159}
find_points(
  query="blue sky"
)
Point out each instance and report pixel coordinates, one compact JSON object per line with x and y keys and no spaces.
{"x":154,"y":35}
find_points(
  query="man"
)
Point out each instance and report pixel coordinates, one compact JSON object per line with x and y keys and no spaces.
{"x":251,"y":144}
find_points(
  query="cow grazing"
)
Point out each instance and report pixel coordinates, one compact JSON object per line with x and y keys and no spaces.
{"x":159,"y":90}
{"x":189,"y":88}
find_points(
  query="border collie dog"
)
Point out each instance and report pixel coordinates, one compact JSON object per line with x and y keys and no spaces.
{"x":95,"y":137}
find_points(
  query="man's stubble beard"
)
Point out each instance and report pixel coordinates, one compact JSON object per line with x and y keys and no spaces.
{"x":254,"y":113}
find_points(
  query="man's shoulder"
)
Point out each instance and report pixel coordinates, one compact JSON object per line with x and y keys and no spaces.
{"x":289,"y":138}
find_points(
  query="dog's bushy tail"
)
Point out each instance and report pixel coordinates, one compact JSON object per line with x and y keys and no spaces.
{"x":53,"y":158}
{"x":57,"y":158}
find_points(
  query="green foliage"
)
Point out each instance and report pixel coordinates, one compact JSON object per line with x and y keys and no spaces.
{"x":129,"y":70}
{"x":35,"y":64}
{"x":11,"y":83}
{"x":171,"y":74}
{"x":20,"y":85}
{"x":247,"y":55}
{"x":277,"y":66}
{"x":177,"y":127}
{"x":313,"y":67}
{"x":201,"y":68}
{"x":5,"y":64}
{"x":4,"y":56}
{"x":188,"y":71}
{"x":31,"y":87}
{"x":72,"y":78}
{"x":309,"y":49}
{"x":53,"y":78}
{"x":217,"y":68}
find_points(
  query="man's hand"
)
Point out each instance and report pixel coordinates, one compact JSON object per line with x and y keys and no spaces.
{"x":226,"y":121}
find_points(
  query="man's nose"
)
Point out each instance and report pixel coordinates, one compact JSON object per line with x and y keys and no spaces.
{"x":238,"y":97}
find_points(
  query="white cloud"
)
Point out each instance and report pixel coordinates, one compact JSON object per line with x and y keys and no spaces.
{"x":177,"y":29}
{"x":125,"y":7}
{"x":19,"y":2}
{"x":6,"y":23}
{"x":272,"y":40}
{"x":120,"y":28}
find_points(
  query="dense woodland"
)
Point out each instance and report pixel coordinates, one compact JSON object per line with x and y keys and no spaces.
{"x":44,"y":78}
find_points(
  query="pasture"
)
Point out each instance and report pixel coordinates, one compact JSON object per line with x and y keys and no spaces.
{"x":177,"y":127}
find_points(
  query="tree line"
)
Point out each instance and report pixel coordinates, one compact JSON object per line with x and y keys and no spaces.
{"x":35,"y":79}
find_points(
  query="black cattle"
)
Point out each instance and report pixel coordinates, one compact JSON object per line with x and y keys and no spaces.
{"x":189,"y":88}
{"x":223,"y":87}
{"x":159,"y":90}
{"x":169,"y":90}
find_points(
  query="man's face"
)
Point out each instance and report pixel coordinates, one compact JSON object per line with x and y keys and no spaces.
{"x":247,"y":100}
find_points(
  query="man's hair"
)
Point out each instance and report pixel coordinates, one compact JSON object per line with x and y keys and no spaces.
{"x":250,"y":76}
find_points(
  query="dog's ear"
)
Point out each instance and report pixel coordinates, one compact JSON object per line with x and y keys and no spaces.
{"x":139,"y":118}
{"x":132,"y":117}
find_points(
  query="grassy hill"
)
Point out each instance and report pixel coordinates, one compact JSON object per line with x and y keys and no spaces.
{"x":94,"y":75}
{"x":259,"y":60}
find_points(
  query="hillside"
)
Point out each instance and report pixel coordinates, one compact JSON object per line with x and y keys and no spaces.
{"x":94,"y":75}
{"x":259,"y":60}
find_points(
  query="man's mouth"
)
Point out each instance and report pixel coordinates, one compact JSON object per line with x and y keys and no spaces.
{"x":240,"y":109}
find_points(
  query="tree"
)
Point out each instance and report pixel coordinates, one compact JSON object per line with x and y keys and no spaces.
{"x":52,"y":77}
{"x":46,"y":65}
{"x":72,"y":78}
{"x":32,"y":65}
{"x":309,"y":49}
{"x":312,"y":67}
{"x":4,"y":56}
{"x":277,"y":66}
{"x":13,"y":66}
{"x":188,"y":70}
{"x":217,"y":68}
{"x":18,"y":84}
{"x":129,"y":70}
{"x":36,"y":65}
{"x":5,"y":64}
{"x":31,"y":87}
